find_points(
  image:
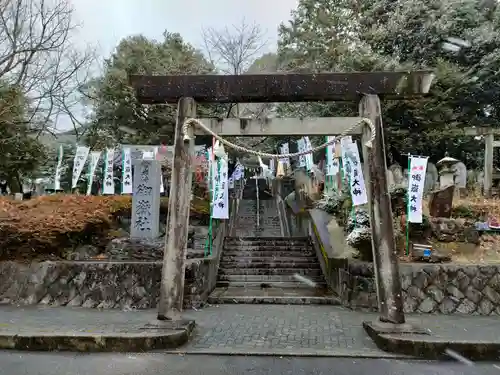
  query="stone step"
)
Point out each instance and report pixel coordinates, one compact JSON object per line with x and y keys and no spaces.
{"x":268,"y":246}
{"x":270,"y":271}
{"x":271,"y":257}
{"x":284,"y":296}
{"x":269,"y":241}
{"x":268,"y":253}
{"x":272,"y":300}
{"x":269,"y":285}
{"x":269,"y":232}
{"x":296,"y":266}
{"x":276,"y":239}
{"x":240,"y":261}
{"x":266,"y":278}
{"x":195,"y":254}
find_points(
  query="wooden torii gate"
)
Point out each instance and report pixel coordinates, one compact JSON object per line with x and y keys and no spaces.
{"x":364,"y":88}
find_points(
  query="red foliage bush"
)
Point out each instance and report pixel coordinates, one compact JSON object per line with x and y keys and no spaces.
{"x":50,"y":225}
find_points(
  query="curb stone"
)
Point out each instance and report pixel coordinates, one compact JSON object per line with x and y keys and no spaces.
{"x":337,"y":353}
{"x":144,"y":340}
{"x":432,"y":347}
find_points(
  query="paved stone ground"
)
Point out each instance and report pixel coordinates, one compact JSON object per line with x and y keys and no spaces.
{"x":319,"y":330}
{"x":15,"y":363}
{"x":37,"y":319}
{"x":307,"y":330}
{"x":279,"y":329}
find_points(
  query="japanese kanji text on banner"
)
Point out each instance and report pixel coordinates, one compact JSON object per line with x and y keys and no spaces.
{"x":220,"y":208}
{"x":416,"y":181}
{"x":109,"y":182}
{"x":127,"y":172}
{"x":352,"y":165}
{"x":332,"y":163}
{"x":81,"y":156}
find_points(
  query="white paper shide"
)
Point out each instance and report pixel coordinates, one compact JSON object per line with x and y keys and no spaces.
{"x":352,"y":166}
{"x":272,"y":166}
{"x":332,"y":163}
{"x":416,"y":181}
{"x":81,"y":156}
{"x":109,"y":183}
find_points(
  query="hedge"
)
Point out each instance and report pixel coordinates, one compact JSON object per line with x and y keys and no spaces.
{"x":48,"y":226}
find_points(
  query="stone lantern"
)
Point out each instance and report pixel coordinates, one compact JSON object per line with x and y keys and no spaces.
{"x":446,"y":171}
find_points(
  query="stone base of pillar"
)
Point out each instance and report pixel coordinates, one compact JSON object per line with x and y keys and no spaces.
{"x":170,"y":324}
{"x":382,"y":328}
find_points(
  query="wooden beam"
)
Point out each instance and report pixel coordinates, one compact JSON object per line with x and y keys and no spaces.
{"x":496,"y":143}
{"x":458,"y":131}
{"x":478,"y":131}
{"x":268,"y":88}
{"x":280,"y":126}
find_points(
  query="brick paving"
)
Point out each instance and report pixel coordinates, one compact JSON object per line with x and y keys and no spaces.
{"x":309,"y":330}
{"x":279,"y":329}
{"x":317,"y":330}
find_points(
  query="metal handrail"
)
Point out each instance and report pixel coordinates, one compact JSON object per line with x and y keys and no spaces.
{"x":257,"y":197}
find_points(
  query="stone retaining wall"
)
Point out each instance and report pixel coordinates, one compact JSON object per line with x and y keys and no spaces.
{"x":98,"y":284}
{"x":428,"y":288}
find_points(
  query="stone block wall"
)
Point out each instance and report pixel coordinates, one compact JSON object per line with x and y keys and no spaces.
{"x":97,"y":284}
{"x":428,"y":288}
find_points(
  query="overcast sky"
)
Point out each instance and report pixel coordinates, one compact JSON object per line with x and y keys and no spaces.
{"x":105,"y":22}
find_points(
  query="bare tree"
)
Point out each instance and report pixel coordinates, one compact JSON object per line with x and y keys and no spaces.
{"x":37,"y":54}
{"x":233,"y":49}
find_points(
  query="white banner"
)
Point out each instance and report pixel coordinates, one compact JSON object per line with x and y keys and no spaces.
{"x":210,"y":174}
{"x":220,"y":209}
{"x":108,"y":183}
{"x":301,"y":146}
{"x":94,"y":160}
{"x":285,"y":149}
{"x":332,"y":163}
{"x":354,"y":172}
{"x":162,"y":188}
{"x":344,"y":148}
{"x":239,"y":172}
{"x":57,"y":176}
{"x":309,"y":156}
{"x":81,"y":155}
{"x":126,"y":171}
{"x":214,"y":173}
{"x":418,"y":168}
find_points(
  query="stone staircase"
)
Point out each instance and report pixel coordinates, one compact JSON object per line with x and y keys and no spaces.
{"x":259,"y":265}
{"x":268,"y":223}
{"x":262,"y":270}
